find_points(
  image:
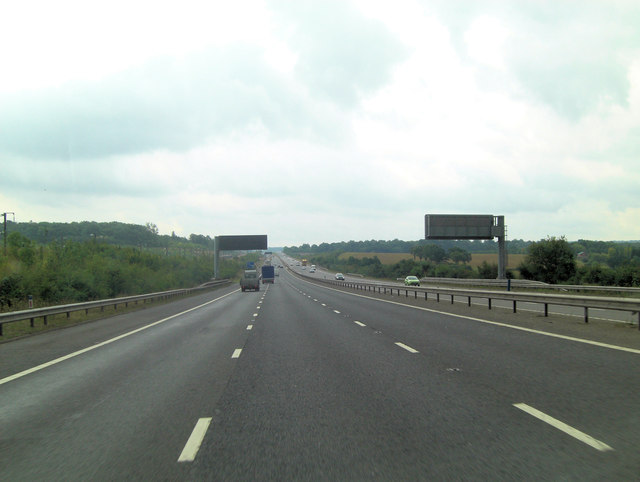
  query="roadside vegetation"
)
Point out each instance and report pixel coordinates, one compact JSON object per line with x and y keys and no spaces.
{"x":551,"y":260}
{"x":65,"y":270}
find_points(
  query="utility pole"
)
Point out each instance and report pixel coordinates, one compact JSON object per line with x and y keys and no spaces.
{"x":5,"y":230}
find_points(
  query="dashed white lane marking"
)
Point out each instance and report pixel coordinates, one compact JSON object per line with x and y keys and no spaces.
{"x":406,"y":347}
{"x":258,"y":307}
{"x":236,"y":353}
{"x":192,"y":446}
{"x":98,"y":345}
{"x":336,"y":311}
{"x":315,"y":300}
{"x":255,"y":314}
{"x":496,"y":323}
{"x":359,"y":323}
{"x":323,"y":304}
{"x":575,"y":433}
{"x":249,"y":327}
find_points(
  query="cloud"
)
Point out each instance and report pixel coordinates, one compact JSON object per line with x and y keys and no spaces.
{"x":342,"y":54}
{"x":167,"y":103}
{"x":571,"y":57}
{"x":329,"y":121}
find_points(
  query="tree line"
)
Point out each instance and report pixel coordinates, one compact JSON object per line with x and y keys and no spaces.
{"x":72,"y":271}
{"x":517,"y":246}
{"x":122,"y":234}
{"x":424,"y":266}
{"x":551,"y":260}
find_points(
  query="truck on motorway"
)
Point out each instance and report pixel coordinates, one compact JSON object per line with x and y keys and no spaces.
{"x":268,"y":274}
{"x":304,"y":262}
{"x":250,"y":280}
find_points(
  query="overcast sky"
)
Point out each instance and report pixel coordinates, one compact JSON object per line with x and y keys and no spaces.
{"x":323,"y":121}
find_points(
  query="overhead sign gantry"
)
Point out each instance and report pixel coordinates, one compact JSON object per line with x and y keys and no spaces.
{"x":469,"y":226}
{"x":237,"y":243}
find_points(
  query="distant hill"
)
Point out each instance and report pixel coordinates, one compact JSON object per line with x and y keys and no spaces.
{"x":116,"y":233}
{"x":516,"y":246}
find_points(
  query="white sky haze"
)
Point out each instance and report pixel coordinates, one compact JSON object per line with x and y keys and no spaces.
{"x":323,"y":121}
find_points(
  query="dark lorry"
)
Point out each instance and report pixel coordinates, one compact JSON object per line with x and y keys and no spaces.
{"x":268,"y":274}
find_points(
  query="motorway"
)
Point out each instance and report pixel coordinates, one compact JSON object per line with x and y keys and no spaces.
{"x":626,"y":317}
{"x":304,"y":382}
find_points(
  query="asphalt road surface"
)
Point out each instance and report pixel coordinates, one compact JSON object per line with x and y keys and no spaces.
{"x":303,"y":382}
{"x":576,"y":312}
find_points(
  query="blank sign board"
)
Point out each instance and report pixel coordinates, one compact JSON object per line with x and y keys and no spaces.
{"x":459,"y":226}
{"x":241,"y":243}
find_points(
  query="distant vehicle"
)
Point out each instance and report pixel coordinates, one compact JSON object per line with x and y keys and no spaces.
{"x":250,"y":280}
{"x":304,"y":262}
{"x":304,"y":267}
{"x":412,"y":281}
{"x":339,"y":276}
{"x":312,"y":270}
{"x":313,"y":266}
{"x":268,"y":274}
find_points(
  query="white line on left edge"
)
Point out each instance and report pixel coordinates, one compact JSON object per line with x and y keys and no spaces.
{"x":192,"y":446}
{"x":568,"y":429}
{"x":106,"y":342}
{"x":236,"y":353}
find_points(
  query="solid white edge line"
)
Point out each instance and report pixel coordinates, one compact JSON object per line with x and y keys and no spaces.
{"x":569,"y":430}
{"x":106,"y":342}
{"x":406,"y":347}
{"x":495,"y":323}
{"x":192,"y":446}
{"x":236,"y":353}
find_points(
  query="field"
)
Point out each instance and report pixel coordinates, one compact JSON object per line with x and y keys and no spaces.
{"x":476,"y":259}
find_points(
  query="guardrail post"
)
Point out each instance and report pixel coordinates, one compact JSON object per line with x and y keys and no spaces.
{"x":68,"y":315}
{"x":451,"y":299}
{"x":31,"y":322}
{"x":586,"y":314}
{"x":468,"y":300}
{"x":44,"y":318}
{"x":489,"y":302}
{"x":1,"y":329}
{"x":546,"y":309}
{"x":514,"y":306}
{"x":425,"y":296}
{"x":415,"y":295}
{"x":406,"y":293}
